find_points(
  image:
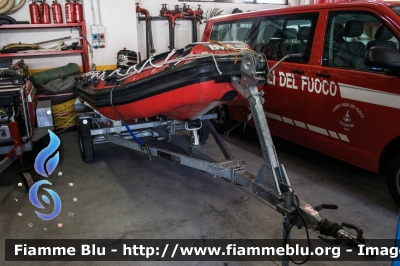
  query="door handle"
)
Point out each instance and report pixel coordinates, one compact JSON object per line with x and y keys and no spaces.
{"x":323,"y":74}
{"x":298,"y":71}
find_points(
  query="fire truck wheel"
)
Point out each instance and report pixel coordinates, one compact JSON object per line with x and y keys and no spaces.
{"x":223,"y":121}
{"x":393,"y":179}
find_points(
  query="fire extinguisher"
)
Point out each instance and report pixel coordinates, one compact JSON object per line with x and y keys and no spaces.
{"x":78,"y":11}
{"x":57,"y":13}
{"x":34,"y":12}
{"x":69,"y":12}
{"x":44,"y":12}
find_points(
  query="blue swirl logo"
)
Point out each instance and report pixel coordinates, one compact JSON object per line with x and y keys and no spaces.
{"x":41,"y":158}
{"x":45,"y":169}
{"x":35,"y":201}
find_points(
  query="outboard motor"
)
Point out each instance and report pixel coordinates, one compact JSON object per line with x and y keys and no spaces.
{"x":126,"y":58}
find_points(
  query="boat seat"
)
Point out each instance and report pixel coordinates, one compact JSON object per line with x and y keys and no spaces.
{"x":382,"y":37}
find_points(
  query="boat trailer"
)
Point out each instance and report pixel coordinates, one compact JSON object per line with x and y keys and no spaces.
{"x":271,"y":183}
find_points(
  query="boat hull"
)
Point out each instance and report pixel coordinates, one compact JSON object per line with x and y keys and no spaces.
{"x":185,"y":103}
{"x":181,"y":92}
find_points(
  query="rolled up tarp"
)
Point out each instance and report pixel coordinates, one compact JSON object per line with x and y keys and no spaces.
{"x":58,"y":86}
{"x":55,"y":73}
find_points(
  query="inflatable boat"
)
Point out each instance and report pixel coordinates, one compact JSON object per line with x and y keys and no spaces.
{"x":182,"y":85}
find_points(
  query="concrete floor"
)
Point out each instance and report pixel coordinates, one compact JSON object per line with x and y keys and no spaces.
{"x":123,"y":195}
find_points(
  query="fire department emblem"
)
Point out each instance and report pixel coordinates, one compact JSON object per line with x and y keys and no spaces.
{"x":346,"y":117}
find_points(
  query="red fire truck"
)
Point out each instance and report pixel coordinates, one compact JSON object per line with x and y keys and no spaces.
{"x":329,"y":98}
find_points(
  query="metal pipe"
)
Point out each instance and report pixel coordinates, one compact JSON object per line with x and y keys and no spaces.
{"x":171,"y":36}
{"x":171,"y":20}
{"x":150,"y":41}
{"x":149,"y":35}
{"x":26,"y":119}
{"x":194,"y":30}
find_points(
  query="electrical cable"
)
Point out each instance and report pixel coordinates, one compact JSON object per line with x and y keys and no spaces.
{"x":98,"y":10}
{"x":93,"y":16}
{"x":64,"y":115}
{"x":290,"y":228}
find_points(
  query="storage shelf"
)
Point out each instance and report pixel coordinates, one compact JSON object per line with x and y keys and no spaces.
{"x":82,"y":32}
{"x":32,"y":26}
{"x":41,"y":53}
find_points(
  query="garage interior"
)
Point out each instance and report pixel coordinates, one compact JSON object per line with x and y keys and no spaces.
{"x":122,"y":194}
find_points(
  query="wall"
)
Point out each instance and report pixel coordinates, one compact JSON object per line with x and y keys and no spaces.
{"x":183,"y":31}
{"x":121,"y":30}
{"x":119,"y":19}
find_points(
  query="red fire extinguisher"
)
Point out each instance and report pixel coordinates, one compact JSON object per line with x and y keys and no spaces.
{"x":34,"y":12}
{"x":69,"y":12}
{"x":57,"y":13}
{"x":44,"y":12}
{"x":78,"y":11}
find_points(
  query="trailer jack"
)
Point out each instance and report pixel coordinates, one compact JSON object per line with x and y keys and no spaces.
{"x":271,"y":183}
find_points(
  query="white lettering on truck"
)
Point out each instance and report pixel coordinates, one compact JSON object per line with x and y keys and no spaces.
{"x":316,"y":85}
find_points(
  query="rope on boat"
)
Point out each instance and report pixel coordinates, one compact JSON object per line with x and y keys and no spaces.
{"x":156,"y":66}
{"x":216,"y":64}
{"x":126,"y":126}
{"x":133,"y":69}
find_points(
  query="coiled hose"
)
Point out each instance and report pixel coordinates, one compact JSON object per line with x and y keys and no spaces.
{"x":7,"y":6}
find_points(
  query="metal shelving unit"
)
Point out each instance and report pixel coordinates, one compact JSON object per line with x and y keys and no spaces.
{"x":82,"y":31}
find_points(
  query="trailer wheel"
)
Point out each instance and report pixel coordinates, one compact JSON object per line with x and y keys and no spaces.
{"x":86,"y":148}
{"x":27,"y":180}
{"x":204,"y":132}
{"x":393,"y":179}
{"x":223,"y":121}
{"x":85,"y":140}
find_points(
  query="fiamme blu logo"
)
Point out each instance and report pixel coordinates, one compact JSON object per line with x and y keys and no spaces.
{"x":45,"y":164}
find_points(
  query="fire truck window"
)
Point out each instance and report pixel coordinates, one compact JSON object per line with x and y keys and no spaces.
{"x":348,"y":37}
{"x":288,"y":34}
{"x":238,"y":30}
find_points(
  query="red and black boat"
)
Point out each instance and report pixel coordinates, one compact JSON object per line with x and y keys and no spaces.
{"x":181,"y":85}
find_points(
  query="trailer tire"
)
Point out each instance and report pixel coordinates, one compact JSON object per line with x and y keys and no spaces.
{"x":223,"y":121}
{"x":204,"y":132}
{"x":27,"y":180}
{"x":393,"y":179}
{"x":86,"y":148}
{"x":85,"y":140}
